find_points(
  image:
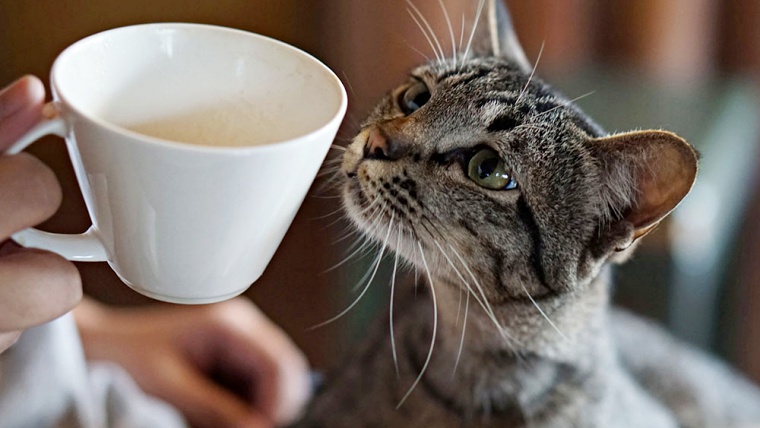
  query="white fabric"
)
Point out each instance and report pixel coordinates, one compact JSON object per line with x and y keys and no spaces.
{"x":45,"y":382}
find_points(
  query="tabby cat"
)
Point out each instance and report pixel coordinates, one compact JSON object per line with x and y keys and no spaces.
{"x":513,"y":205}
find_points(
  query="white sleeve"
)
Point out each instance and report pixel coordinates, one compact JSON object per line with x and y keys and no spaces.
{"x":46,"y":382}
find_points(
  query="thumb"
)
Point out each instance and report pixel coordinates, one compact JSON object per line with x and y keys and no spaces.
{"x":204,"y":403}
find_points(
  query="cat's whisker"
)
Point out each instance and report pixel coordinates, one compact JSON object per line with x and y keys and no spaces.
{"x":459,"y":308}
{"x":366,"y":287}
{"x":435,"y":329}
{"x":532,"y":73}
{"x":565,"y":104}
{"x":325,"y":196}
{"x":375,"y":226}
{"x":439,"y":53}
{"x":375,"y":262}
{"x":348,"y":83}
{"x":330,"y":183}
{"x":393,"y":289}
{"x":355,"y":251}
{"x":461,"y":339}
{"x":346,"y":233}
{"x":451,"y":32}
{"x":482,"y":301}
{"x":461,"y":36}
{"x":333,"y":223}
{"x":430,"y":41}
{"x":543,"y":314}
{"x":359,"y":245}
{"x":489,"y":310}
{"x":328,"y":215}
{"x":481,"y":4}
{"x":337,"y":147}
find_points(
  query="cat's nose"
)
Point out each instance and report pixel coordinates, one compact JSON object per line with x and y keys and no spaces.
{"x":380,"y":147}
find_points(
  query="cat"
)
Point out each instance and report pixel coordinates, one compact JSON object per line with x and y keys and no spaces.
{"x":514,"y":206}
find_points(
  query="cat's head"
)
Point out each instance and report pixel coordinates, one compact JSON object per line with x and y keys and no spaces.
{"x":476,"y":168}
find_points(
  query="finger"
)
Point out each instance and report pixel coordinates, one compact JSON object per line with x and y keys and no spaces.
{"x":29,"y":193}
{"x":20,"y":108}
{"x":204,"y":403}
{"x":36,"y":287}
{"x":8,"y":339}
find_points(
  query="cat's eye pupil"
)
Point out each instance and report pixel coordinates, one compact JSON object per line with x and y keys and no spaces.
{"x":414,"y":98}
{"x":487,"y":167}
{"x":487,"y":170}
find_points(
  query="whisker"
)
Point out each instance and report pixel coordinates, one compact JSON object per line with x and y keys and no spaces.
{"x":337,"y":147}
{"x":424,"y":33}
{"x":364,"y":291}
{"x":442,"y":56}
{"x":451,"y":32}
{"x":346,"y":259}
{"x":435,"y":329}
{"x":532,"y":73}
{"x":482,"y":301}
{"x":328,"y":215}
{"x":474,"y":27}
{"x":464,"y":329}
{"x":565,"y":104}
{"x":489,"y":310}
{"x":393,"y":288}
{"x":459,"y":308}
{"x":325,"y":197}
{"x":543,"y":313}
{"x":461,"y":35}
{"x":348,"y":83}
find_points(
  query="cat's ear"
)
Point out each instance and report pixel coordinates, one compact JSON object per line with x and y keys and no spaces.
{"x":646,"y":174}
{"x":494,"y":34}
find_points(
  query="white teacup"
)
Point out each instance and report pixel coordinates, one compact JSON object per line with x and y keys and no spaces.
{"x":194,"y":146}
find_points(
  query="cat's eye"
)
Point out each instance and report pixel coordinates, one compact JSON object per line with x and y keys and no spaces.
{"x":414,"y":98}
{"x":487,"y":169}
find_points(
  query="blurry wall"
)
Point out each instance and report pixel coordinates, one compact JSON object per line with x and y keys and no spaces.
{"x":370,"y":44}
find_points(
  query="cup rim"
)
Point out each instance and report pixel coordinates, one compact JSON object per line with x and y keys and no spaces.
{"x":335,"y":120}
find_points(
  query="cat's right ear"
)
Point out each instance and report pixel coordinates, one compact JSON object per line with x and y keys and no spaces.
{"x":645,"y":175}
{"x":494,"y":34}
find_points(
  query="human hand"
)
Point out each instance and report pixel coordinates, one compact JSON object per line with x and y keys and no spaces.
{"x":221,"y":365}
{"x":35,"y":286}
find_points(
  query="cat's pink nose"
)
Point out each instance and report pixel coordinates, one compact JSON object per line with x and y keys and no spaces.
{"x":380,"y":147}
{"x":377,"y":145}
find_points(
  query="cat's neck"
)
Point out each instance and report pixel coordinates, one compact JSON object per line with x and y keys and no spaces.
{"x":530,"y":358}
{"x":562,"y":327}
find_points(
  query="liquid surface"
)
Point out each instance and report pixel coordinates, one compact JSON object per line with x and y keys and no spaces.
{"x":232,"y":126}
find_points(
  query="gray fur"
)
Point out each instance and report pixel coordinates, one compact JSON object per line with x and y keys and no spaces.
{"x":542,"y":348}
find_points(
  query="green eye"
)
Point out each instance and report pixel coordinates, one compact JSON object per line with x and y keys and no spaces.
{"x":487,"y":170}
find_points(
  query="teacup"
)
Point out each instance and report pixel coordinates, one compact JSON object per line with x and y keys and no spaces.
{"x":194,"y":146}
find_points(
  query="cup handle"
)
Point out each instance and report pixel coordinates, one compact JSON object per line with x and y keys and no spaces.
{"x":77,"y":247}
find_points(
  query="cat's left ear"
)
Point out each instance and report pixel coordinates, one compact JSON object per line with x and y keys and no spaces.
{"x":495,"y":35}
{"x":646,"y":174}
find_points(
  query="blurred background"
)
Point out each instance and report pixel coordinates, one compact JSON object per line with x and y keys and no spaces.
{"x":689,"y":66}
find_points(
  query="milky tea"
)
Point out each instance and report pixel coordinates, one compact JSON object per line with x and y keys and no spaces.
{"x":228,"y":126}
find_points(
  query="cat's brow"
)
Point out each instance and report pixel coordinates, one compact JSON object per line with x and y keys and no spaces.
{"x":463,"y":78}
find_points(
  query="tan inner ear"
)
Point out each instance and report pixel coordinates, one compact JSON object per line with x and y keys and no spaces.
{"x":664,"y":168}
